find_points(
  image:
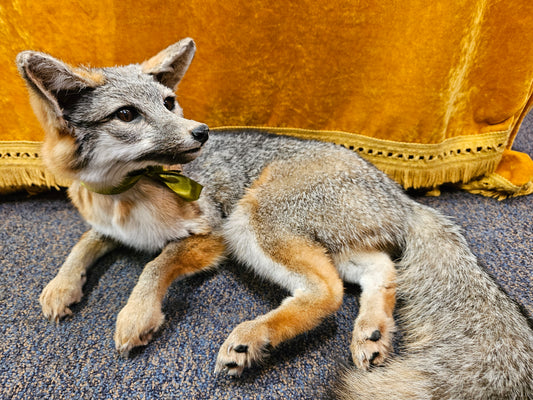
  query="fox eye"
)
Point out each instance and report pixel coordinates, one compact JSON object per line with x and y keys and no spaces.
{"x":127,"y":114}
{"x":170,"y":103}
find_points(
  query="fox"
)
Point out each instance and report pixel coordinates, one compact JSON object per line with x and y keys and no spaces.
{"x":306,"y":215}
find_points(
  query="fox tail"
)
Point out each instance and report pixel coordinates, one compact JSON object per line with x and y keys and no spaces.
{"x":463,"y":337}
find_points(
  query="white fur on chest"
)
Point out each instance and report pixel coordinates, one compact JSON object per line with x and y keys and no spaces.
{"x":143,"y":230}
{"x":143,"y":219}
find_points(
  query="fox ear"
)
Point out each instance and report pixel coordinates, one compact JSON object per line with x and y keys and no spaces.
{"x":55,"y":82}
{"x":169,"y":66}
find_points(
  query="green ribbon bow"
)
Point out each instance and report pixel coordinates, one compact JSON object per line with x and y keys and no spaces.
{"x":184,"y":187}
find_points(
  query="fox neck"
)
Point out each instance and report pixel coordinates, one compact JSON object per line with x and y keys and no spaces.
{"x":146,"y":217}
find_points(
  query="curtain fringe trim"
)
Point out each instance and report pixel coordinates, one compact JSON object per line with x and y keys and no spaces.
{"x":461,"y":159}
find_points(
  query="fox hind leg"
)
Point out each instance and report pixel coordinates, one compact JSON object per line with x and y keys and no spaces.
{"x":317,"y":290}
{"x":374,"y":326}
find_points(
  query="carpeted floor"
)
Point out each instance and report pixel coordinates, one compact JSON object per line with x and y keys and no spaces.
{"x":76,"y":358}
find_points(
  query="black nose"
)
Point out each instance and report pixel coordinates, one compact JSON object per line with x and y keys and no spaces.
{"x":201,"y":133}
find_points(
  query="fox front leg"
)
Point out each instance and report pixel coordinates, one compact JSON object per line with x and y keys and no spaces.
{"x":142,"y":315}
{"x":66,"y":288}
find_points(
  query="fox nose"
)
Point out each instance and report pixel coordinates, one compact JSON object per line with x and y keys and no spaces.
{"x":200,"y":133}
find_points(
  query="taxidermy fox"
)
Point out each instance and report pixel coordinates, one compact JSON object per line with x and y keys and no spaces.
{"x":304,"y":214}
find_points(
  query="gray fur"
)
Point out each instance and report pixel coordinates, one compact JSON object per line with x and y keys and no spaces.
{"x":92,"y":114}
{"x":464,"y":338}
{"x":230,"y":162}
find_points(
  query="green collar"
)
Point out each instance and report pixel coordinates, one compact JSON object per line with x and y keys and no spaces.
{"x":184,"y":187}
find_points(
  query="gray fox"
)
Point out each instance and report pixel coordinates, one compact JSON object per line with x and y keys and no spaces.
{"x":304,"y":214}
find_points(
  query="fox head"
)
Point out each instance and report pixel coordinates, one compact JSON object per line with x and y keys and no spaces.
{"x":102,"y":123}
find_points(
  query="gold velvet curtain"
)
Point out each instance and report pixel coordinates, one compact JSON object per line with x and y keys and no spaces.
{"x":430,"y":92}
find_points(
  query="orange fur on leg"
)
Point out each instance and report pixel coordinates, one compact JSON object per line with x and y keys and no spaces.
{"x":308,"y":306}
{"x":187,"y":257}
{"x":320,"y":295}
{"x":142,"y":315}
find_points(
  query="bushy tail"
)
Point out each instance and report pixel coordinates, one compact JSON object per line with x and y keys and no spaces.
{"x":463,"y":338}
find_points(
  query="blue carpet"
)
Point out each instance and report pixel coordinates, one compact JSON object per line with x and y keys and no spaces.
{"x":76,"y":358}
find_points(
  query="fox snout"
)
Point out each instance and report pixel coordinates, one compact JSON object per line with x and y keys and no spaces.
{"x":200,"y":133}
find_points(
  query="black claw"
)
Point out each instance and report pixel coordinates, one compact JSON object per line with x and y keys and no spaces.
{"x":232,"y":365}
{"x":374,"y":356}
{"x":376,"y":335}
{"x":242,"y":348}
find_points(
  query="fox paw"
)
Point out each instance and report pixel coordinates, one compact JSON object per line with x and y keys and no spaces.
{"x":136,"y":325}
{"x":371,"y":342}
{"x":59,"y":294}
{"x":246,"y":345}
